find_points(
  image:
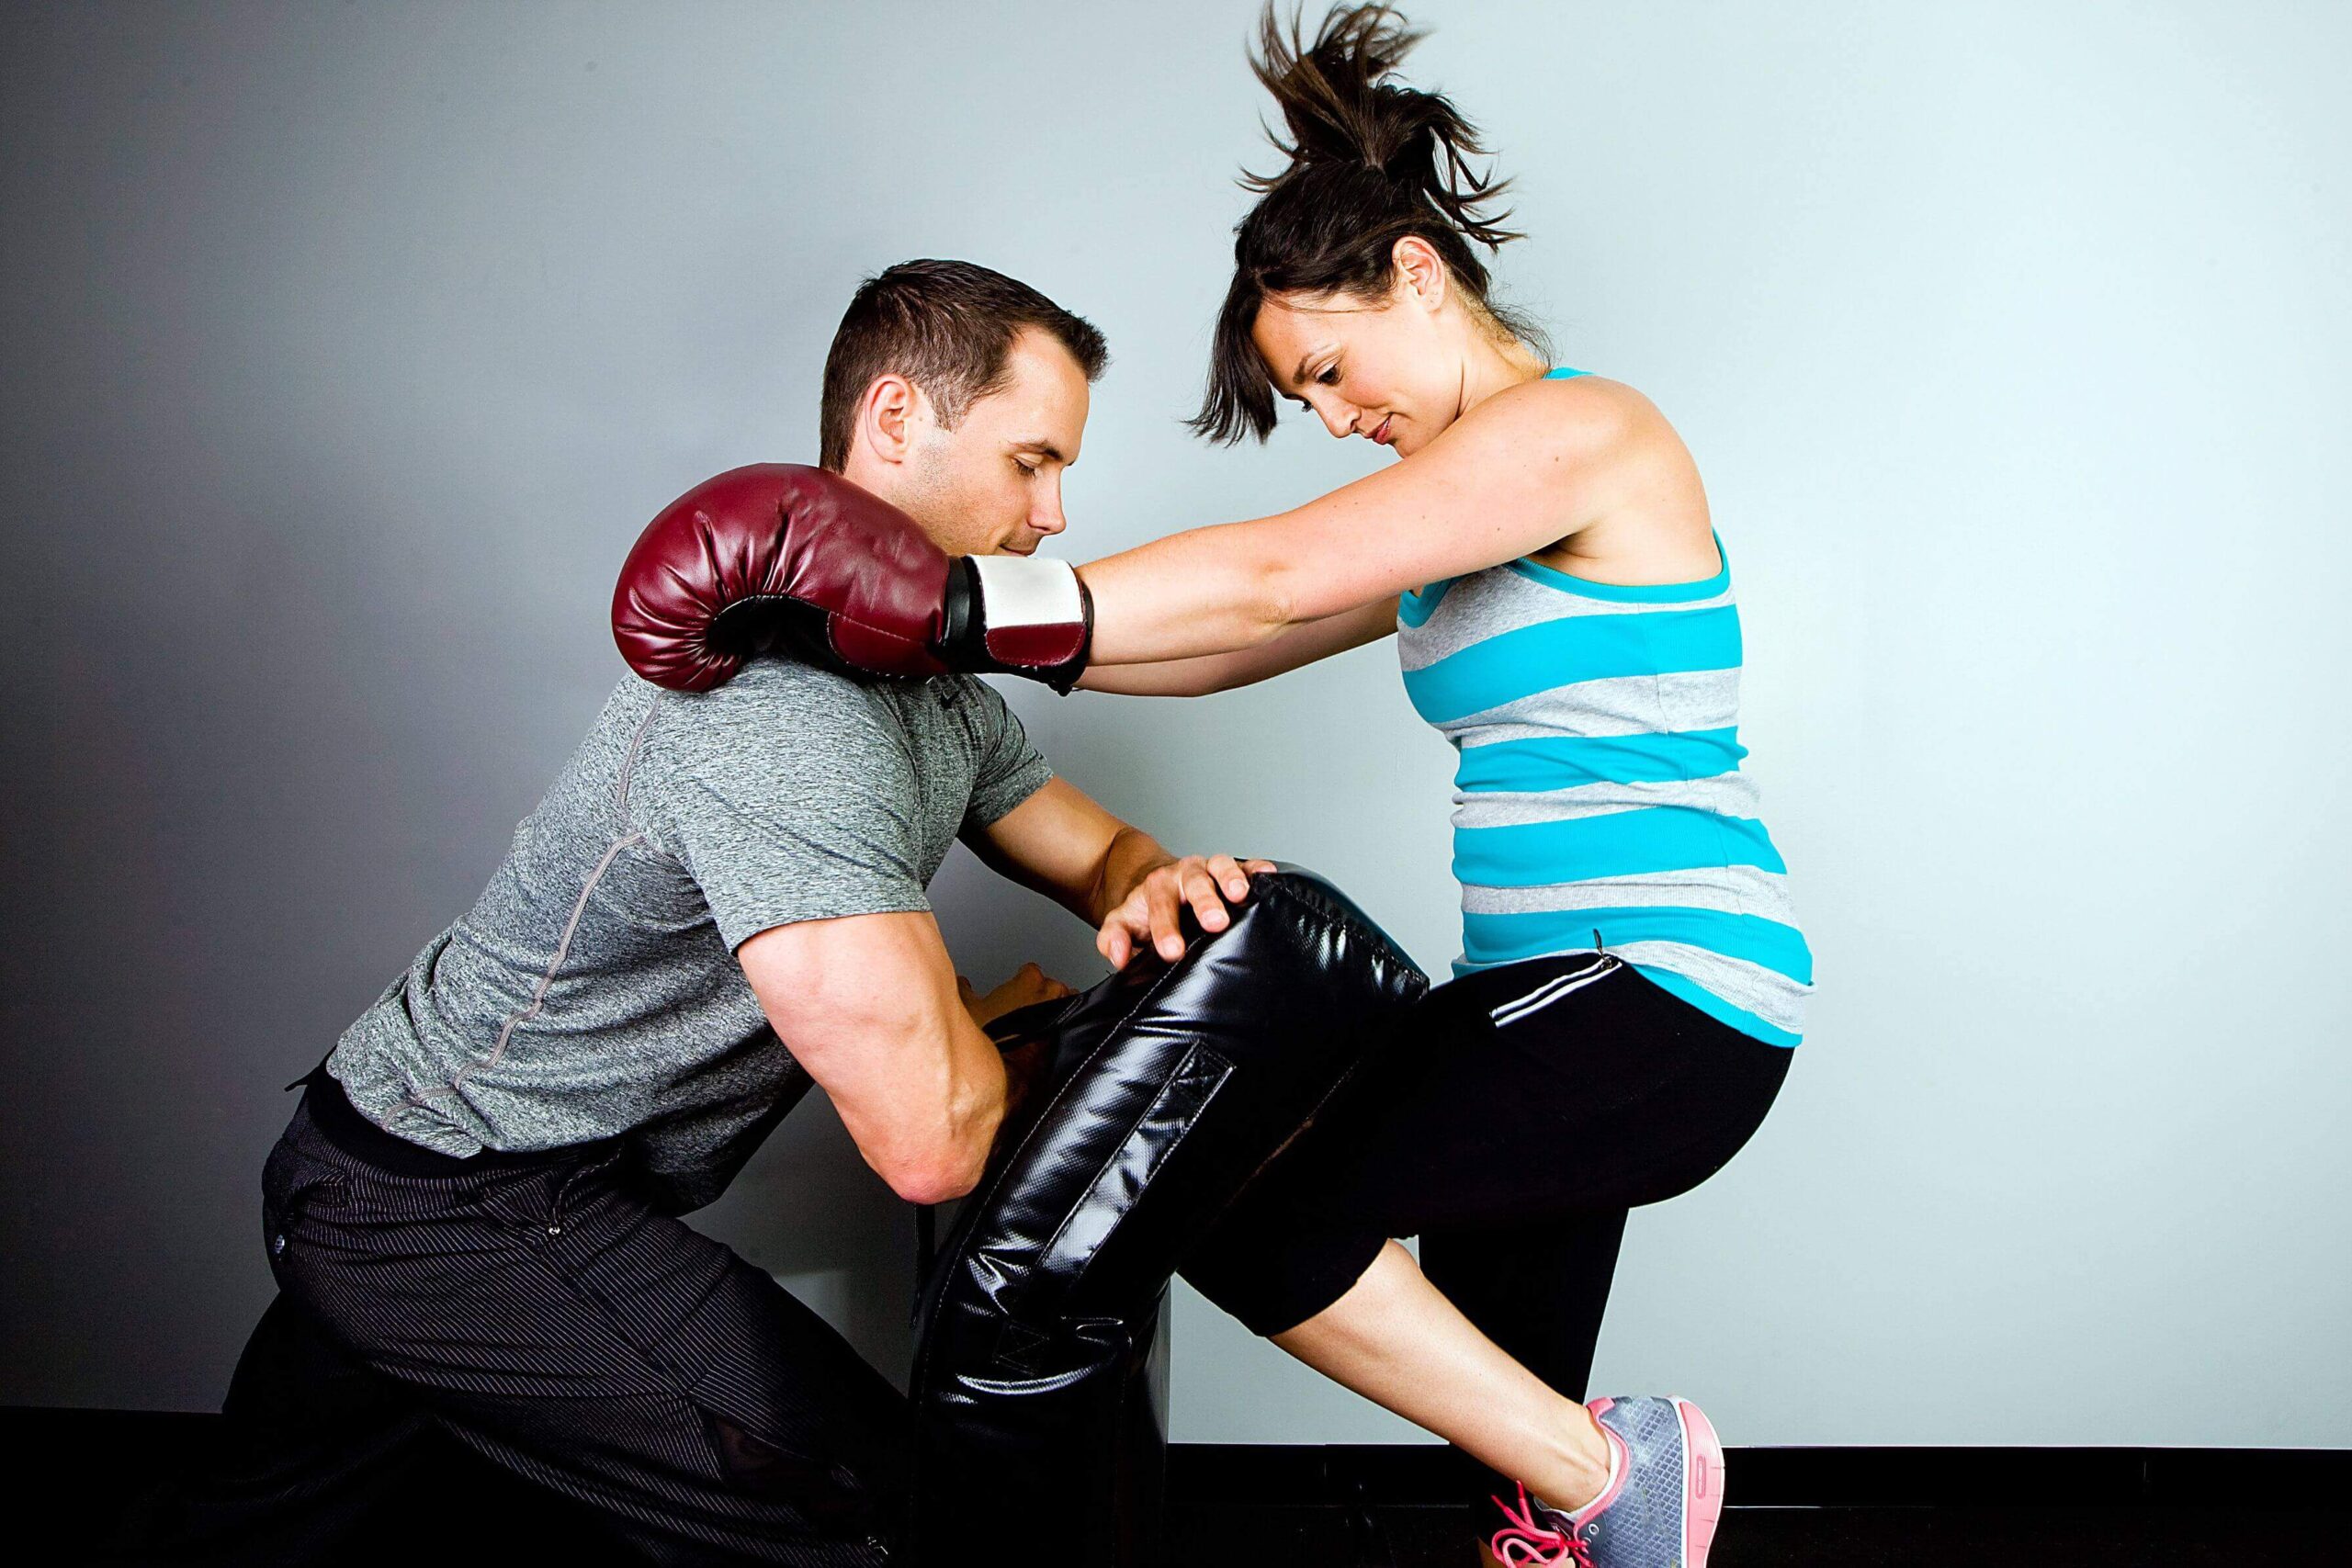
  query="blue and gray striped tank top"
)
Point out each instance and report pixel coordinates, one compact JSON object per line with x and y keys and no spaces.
{"x":1599,"y":801}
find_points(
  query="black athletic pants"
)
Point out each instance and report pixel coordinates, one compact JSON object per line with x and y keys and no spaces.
{"x":539,"y":1311}
{"x":1521,"y":1112}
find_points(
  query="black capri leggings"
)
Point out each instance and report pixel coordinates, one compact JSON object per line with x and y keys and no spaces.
{"x":1521,"y":1112}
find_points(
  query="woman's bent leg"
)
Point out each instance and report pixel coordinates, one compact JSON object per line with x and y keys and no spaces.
{"x":1537,"y":1289}
{"x":1528,"y":1104}
{"x":1398,"y":1342}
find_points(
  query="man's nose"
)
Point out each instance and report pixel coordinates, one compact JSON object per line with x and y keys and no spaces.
{"x":1045,"y":513}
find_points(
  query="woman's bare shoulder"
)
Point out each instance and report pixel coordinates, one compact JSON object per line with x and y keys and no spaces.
{"x":1574,"y":415}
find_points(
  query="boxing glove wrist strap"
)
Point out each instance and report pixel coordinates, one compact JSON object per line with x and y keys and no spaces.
{"x":1018,"y":615}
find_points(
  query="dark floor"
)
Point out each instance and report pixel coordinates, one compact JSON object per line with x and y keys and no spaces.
{"x":1786,"y":1537}
{"x":70,"y":1473}
{"x":1246,"y":1536}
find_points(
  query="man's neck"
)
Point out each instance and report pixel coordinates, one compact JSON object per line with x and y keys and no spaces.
{"x":869,"y":475}
{"x":887,"y":481}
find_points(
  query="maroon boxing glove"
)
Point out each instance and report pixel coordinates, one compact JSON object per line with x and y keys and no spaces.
{"x":781,"y":557}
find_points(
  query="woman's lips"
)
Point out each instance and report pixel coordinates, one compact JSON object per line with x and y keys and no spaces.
{"x":1381,"y":434}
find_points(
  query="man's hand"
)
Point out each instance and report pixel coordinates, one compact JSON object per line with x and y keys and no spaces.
{"x":1023,"y":1059}
{"x":1029,"y":984}
{"x":1149,"y":916}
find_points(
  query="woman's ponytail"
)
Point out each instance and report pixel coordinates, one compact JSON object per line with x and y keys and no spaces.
{"x":1341,"y":108}
{"x":1370,"y":162}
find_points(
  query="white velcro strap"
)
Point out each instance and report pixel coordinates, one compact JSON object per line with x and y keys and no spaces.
{"x":1024,"y":591}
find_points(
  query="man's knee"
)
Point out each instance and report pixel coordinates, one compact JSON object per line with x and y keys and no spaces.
{"x":839,"y":1494}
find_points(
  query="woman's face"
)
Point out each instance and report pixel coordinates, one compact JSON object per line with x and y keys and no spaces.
{"x":1388,"y":370}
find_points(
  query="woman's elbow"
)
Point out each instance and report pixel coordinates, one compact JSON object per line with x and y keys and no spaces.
{"x":1281,"y":596}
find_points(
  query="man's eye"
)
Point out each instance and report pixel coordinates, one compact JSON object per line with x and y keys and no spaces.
{"x":1029,"y":469}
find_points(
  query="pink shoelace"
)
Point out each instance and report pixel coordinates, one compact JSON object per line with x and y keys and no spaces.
{"x":1523,"y":1543}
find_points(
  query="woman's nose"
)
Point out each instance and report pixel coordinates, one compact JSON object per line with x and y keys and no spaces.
{"x":1337,"y":418}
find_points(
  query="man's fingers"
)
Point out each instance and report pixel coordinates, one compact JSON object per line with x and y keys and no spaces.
{"x":1153,"y":913}
{"x":1207,"y":907}
{"x":1167,"y":925}
{"x":1128,"y":929}
{"x":1229,"y":876}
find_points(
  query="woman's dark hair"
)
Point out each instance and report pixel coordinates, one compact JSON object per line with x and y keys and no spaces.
{"x":1371,"y":162}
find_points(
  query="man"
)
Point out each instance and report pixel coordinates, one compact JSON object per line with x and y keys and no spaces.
{"x":470,"y":1217}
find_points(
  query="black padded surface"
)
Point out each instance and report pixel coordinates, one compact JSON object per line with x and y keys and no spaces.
{"x":1166,"y":1089}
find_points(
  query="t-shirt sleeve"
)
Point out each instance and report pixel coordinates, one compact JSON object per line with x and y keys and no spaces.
{"x":803,"y":814}
{"x":1009,"y":769}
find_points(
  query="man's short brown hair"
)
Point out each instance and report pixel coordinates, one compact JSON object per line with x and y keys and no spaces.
{"x":948,"y":327}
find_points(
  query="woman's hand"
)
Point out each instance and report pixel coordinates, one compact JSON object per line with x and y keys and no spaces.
{"x":1149,"y":916}
{"x":1029,"y":985}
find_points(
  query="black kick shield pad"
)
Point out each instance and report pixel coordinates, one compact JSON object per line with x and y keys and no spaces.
{"x":1164,"y":1090}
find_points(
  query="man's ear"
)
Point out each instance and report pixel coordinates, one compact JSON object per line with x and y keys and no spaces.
{"x":886,"y":417}
{"x":1421,"y":272}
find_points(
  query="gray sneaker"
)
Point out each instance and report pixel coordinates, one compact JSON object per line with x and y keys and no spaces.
{"x":1659,"y":1511}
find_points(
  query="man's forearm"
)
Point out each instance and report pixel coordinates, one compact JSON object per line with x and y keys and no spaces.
{"x":982,"y":1096}
{"x":1127,"y":859}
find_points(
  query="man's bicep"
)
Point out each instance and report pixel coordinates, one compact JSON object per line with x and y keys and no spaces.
{"x":867,"y":1004}
{"x":1052,"y":843}
{"x":843,"y":994}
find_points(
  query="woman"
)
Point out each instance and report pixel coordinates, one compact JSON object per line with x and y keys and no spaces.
{"x":1632,"y":974}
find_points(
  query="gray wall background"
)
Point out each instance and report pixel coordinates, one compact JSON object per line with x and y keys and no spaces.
{"x":347,"y":347}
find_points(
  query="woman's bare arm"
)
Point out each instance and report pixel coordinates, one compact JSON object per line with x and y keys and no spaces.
{"x":1522,"y":471}
{"x":1209,"y":672}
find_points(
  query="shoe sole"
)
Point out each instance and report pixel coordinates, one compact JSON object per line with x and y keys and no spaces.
{"x":1702,"y":1483}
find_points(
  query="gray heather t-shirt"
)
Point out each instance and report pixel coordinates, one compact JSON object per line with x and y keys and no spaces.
{"x":592,"y":991}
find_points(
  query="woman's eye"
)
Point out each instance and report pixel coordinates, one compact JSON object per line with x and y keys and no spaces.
{"x":1330,"y":376}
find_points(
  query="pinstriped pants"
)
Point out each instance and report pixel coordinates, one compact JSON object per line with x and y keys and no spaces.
{"x":543,"y":1315}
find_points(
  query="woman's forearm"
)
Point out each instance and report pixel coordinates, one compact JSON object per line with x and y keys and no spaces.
{"x":1197,"y":677}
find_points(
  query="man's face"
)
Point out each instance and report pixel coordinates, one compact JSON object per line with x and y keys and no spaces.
{"x":993,"y":484}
